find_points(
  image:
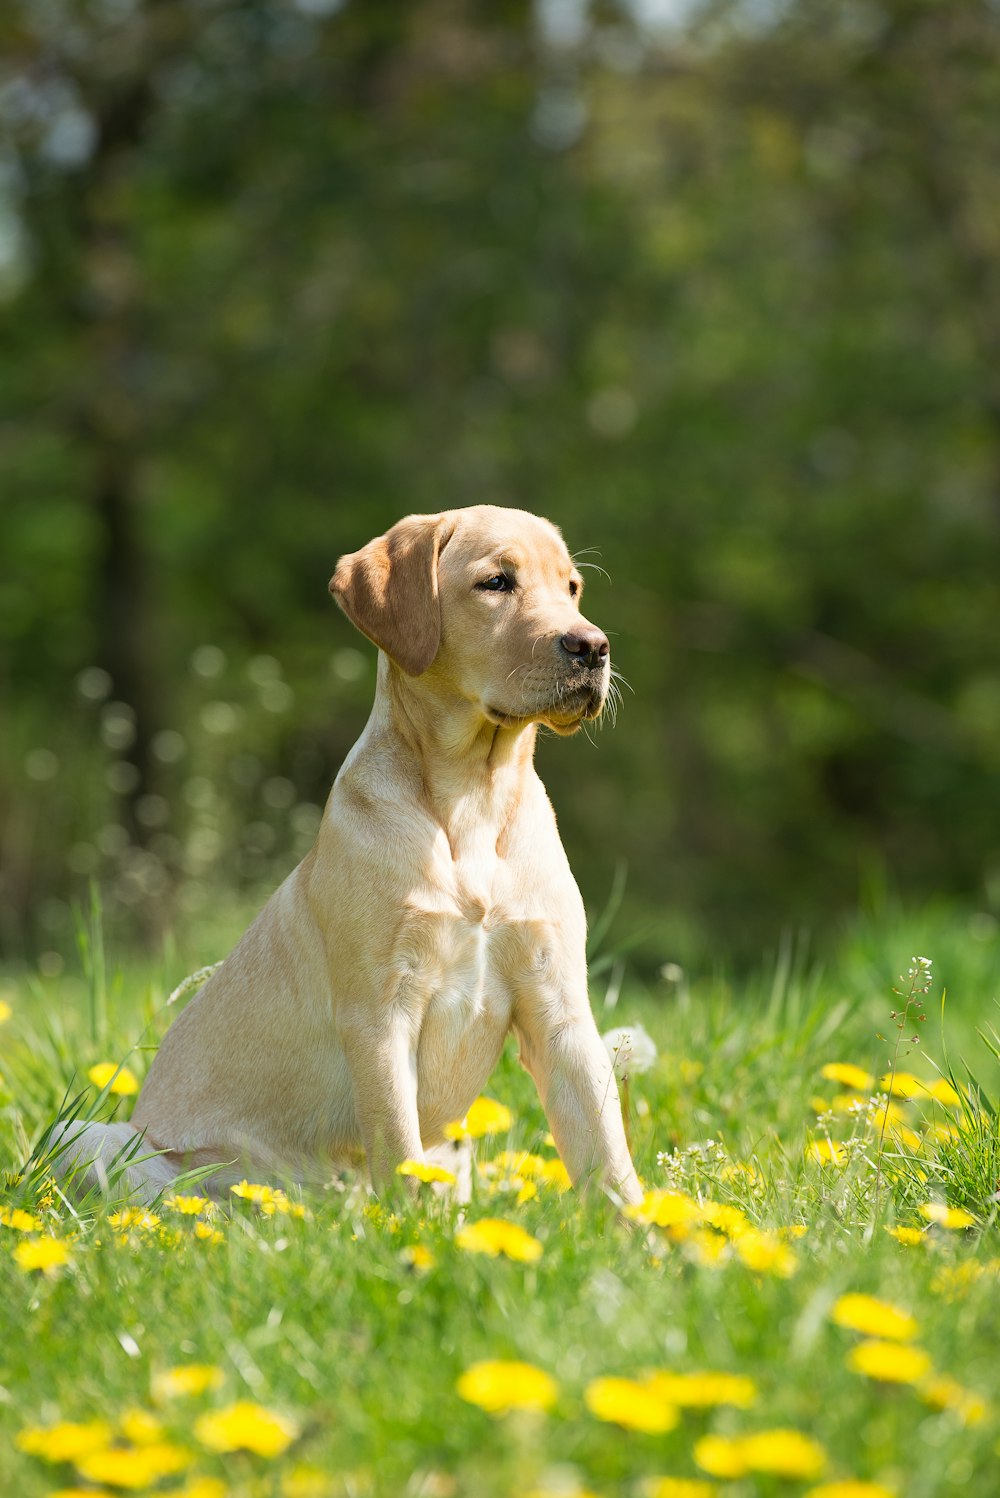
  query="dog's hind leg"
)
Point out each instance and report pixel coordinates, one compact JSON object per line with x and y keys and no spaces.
{"x":111,"y":1157}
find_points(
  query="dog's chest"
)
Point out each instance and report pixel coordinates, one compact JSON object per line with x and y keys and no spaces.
{"x":460,"y":995}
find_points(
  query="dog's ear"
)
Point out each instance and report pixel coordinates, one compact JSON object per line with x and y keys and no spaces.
{"x":389,"y":590}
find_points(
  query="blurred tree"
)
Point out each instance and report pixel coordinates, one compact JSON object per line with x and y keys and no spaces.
{"x":723,"y":299}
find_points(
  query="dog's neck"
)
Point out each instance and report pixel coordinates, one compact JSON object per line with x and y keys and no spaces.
{"x":466,"y":766}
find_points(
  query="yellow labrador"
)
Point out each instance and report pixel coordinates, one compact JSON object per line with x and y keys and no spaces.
{"x":369,"y":1001}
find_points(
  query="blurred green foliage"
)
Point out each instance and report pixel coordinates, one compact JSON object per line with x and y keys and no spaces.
{"x":719,"y":295}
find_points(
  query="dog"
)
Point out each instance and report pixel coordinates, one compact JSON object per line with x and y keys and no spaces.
{"x":369,"y":1001}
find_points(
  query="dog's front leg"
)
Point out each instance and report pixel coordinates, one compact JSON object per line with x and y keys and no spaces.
{"x":566,"y":1057}
{"x":381,"y":1058}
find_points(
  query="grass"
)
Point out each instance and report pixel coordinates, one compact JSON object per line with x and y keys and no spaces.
{"x":355,"y":1342}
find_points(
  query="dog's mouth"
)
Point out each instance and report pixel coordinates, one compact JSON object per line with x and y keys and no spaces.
{"x":573,"y":705}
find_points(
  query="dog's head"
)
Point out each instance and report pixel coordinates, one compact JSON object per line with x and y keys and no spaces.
{"x":484,"y":603}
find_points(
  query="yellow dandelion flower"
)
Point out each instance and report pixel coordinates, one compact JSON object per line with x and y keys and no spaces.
{"x":954,"y":1281}
{"x":5,"y":1011}
{"x":245,"y":1426}
{"x":134,"y":1467}
{"x":554,"y":1173}
{"x":630,"y":1404}
{"x":486,"y":1116}
{"x":703,"y":1390}
{"x":47,"y":1254}
{"x":141,"y":1427}
{"x":133,"y":1217}
{"x":19,"y":1220}
{"x":726,"y":1219}
{"x":820,"y":1104}
{"x":910,"y":1237}
{"x":498,"y":1386}
{"x":785,"y":1453}
{"x":846,"y":1074}
{"x":902,"y":1134}
{"x":678,"y":1487}
{"x":904,"y":1084}
{"x":189,"y":1206}
{"x":418,"y":1257}
{"x":850,"y":1487}
{"x":942,"y":1091}
{"x":848,"y":1102}
{"x":943,"y":1393}
{"x":826,"y":1152}
{"x":207,"y":1233}
{"x":765,"y":1253}
{"x":201,"y":1487}
{"x":721,"y":1456}
{"x":883,"y":1117}
{"x":418,"y":1170}
{"x":124,"y":1084}
{"x":185,"y":1380}
{"x":943,"y":1133}
{"x":665,"y":1209}
{"x":889,"y":1363}
{"x":875,"y":1318}
{"x":494,"y":1235}
{"x":65,"y":1441}
{"x":270,"y":1199}
{"x":947,"y":1217}
{"x":514,"y":1163}
{"x":704,"y":1247}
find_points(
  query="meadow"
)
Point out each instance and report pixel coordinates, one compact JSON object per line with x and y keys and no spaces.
{"x":806,"y":1303}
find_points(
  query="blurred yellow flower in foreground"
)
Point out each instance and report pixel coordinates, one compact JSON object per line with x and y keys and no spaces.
{"x":19,"y":1220}
{"x":947,"y":1217}
{"x":942,"y":1091}
{"x":703,"y":1390}
{"x":943,"y":1393}
{"x":134,"y":1466}
{"x":245,"y":1426}
{"x":876,"y":1318}
{"x":5,"y":1011}
{"x":419,"y":1170}
{"x":665,"y":1209}
{"x":188,"y":1378}
{"x":46,"y":1254}
{"x":190,"y":1206}
{"x":783,"y":1453}
{"x":65,"y":1441}
{"x":207,"y":1233}
{"x":133,"y":1217}
{"x":494,"y":1235}
{"x":418,"y":1257}
{"x":486,"y":1116}
{"x":677,"y":1487}
{"x":498,"y":1386}
{"x":904,"y":1084}
{"x":630,"y":1404}
{"x":850,"y":1487}
{"x":766,"y":1253}
{"x":270,"y":1199}
{"x":826,"y":1152}
{"x":889,"y":1363}
{"x":847,"y":1075}
{"x":908,"y":1236}
{"x":125,"y":1084}
{"x":140,"y":1427}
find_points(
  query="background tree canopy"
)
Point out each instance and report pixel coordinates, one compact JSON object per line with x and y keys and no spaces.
{"x":716,"y":287}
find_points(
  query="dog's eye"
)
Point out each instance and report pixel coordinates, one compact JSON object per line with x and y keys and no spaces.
{"x":574,"y":587}
{"x":498,"y":583}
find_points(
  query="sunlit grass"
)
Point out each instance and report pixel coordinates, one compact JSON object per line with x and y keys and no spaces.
{"x":806,"y":1298}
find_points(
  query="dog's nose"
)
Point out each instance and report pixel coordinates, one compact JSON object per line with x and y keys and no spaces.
{"x":587,"y":645}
